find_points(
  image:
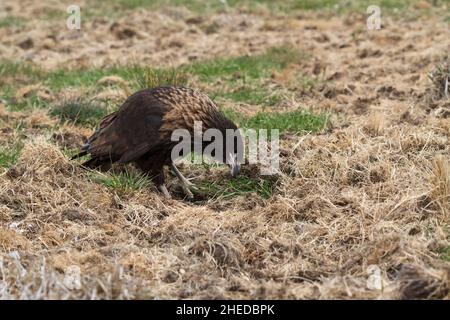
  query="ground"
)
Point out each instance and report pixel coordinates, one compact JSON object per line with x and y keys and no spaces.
{"x":359,"y":209}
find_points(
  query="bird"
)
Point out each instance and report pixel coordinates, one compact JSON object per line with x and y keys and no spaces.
{"x":140,"y":132}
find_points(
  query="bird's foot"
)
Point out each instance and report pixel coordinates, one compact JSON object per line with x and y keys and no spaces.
{"x":188,"y":188}
{"x":186,"y":185}
{"x":164,"y":191}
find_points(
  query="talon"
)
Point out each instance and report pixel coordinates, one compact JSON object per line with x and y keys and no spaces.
{"x":164,"y":191}
{"x":185,"y":183}
{"x":188,"y":193}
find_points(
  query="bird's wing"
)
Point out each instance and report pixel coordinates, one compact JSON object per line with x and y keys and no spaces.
{"x":132,"y":131}
{"x":107,"y":120}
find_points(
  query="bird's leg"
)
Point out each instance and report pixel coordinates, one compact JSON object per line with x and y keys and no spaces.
{"x":185,"y":183}
{"x":180,"y":176}
{"x":156,"y":172}
{"x":165,"y":192}
{"x":159,"y":180}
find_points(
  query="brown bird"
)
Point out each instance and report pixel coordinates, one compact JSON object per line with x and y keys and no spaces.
{"x":140,"y":132}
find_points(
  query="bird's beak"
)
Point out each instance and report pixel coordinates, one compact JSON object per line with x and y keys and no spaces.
{"x":234,"y":165}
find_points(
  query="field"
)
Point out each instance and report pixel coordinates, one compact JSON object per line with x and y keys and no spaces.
{"x":359,"y":210}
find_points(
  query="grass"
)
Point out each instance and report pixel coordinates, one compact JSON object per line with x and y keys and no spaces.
{"x":251,"y":95}
{"x":79,"y":112}
{"x":113,"y":8}
{"x":248,"y":67}
{"x":240,"y":186}
{"x":294,"y":121}
{"x":124,"y":181}
{"x":9,"y":68}
{"x":445,"y":254}
{"x":440,"y":76}
{"x":30,"y":103}
{"x":240,"y":79}
{"x":16,"y":74}
{"x":10,"y":21}
{"x":293,"y":237}
{"x":9,"y":156}
{"x":150,"y":78}
{"x":63,"y":78}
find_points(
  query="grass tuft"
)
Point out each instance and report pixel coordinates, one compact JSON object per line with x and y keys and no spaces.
{"x":150,"y":78}
{"x":124,"y":181}
{"x":240,"y":186}
{"x":9,"y":156}
{"x":78,"y":112}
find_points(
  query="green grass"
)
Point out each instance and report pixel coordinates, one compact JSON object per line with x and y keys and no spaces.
{"x":150,"y":78}
{"x":10,"y":21}
{"x":293,"y":121}
{"x":251,"y":95}
{"x":9,"y":156}
{"x":30,"y":103}
{"x":113,"y":8}
{"x":79,"y":112}
{"x":247,"y":68}
{"x":8,"y":68}
{"x":445,"y":254}
{"x":240,"y":79}
{"x":122,"y":181}
{"x":240,"y":186}
{"x":16,"y":74}
{"x":63,"y":78}
{"x":243,"y":79}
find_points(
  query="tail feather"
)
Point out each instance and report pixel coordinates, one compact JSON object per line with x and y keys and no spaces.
{"x":93,"y":148}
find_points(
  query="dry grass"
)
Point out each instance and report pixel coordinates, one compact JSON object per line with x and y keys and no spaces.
{"x":340,"y":208}
{"x":370,"y":192}
{"x":440,"y":76}
{"x":441,"y":180}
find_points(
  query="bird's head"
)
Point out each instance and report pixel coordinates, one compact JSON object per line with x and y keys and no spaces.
{"x":231,"y":147}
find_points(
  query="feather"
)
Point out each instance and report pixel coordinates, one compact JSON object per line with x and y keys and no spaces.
{"x":141,"y":129}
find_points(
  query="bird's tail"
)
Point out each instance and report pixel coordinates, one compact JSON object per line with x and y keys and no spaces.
{"x":106,"y":121}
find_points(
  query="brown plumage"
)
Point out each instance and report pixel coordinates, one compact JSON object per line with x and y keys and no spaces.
{"x":140,"y":131}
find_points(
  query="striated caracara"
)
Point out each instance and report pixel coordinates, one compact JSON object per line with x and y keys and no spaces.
{"x":140,"y":132}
